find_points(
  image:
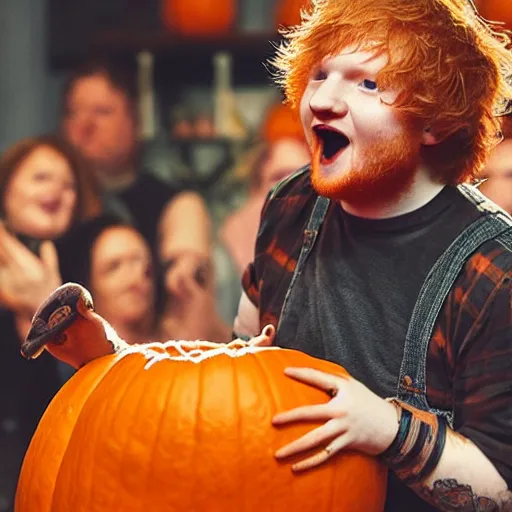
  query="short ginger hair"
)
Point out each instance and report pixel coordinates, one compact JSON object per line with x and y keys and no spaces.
{"x":451,"y":68}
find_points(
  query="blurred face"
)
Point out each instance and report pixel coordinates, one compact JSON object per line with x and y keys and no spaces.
{"x":498,"y":169}
{"x":41,"y":196}
{"x":363,"y":151}
{"x":100,"y":124}
{"x":121,"y":277}
{"x":286,"y":156}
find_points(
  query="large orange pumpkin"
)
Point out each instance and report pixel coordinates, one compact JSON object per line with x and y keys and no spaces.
{"x":497,"y":10}
{"x":183,"y":427}
{"x":199,"y":17}
{"x":288,"y":12}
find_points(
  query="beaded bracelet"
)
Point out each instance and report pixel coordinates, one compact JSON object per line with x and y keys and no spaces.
{"x":418,"y":444}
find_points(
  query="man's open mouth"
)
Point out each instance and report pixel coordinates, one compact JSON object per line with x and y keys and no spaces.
{"x":332,"y":142}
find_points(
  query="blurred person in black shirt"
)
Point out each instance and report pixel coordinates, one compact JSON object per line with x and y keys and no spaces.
{"x":100,"y":119}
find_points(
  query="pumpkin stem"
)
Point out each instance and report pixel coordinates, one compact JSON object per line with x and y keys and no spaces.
{"x":67,"y":326}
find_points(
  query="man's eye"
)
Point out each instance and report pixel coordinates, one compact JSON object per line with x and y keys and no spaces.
{"x":369,"y":85}
{"x":319,"y":75}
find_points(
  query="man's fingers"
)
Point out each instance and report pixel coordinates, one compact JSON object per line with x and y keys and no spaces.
{"x":322,"y":380}
{"x":312,"y":439}
{"x":321,"y":412}
{"x":323,"y":456}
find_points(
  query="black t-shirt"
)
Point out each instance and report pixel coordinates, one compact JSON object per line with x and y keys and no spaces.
{"x":142,"y":204}
{"x":379,"y":267}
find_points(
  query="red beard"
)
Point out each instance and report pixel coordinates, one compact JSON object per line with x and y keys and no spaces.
{"x":386,"y":172}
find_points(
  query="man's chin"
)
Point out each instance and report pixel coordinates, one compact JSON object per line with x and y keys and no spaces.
{"x":332,"y":183}
{"x":361,"y":188}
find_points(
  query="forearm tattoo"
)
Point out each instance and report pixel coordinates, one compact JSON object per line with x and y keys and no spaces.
{"x":448,"y":495}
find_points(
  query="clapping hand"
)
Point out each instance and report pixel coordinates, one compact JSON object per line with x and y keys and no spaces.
{"x":26,"y":280}
{"x":183,"y":274}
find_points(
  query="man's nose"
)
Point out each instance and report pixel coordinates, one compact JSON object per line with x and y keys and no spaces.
{"x":84,"y":125}
{"x":328,"y":101}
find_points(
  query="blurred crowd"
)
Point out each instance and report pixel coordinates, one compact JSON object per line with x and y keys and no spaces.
{"x":80,"y":206}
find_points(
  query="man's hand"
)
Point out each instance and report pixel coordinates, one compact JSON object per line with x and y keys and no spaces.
{"x":355,"y":418}
{"x":25,"y":279}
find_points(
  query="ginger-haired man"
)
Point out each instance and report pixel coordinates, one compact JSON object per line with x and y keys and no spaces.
{"x":381,"y":256}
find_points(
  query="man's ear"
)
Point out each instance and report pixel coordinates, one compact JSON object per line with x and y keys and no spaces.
{"x":428,"y":137}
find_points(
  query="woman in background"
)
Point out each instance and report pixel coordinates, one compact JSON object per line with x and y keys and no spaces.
{"x":498,"y":173}
{"x":278,"y":159}
{"x":44,"y":190}
{"x":113,"y":261}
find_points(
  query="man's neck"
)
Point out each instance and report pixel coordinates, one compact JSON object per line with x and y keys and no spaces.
{"x":112,"y":181}
{"x":422,"y":190}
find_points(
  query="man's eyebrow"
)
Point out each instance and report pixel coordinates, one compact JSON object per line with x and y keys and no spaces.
{"x":358,"y":70}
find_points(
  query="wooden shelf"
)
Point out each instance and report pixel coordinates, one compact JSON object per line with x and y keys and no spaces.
{"x":124,"y":41}
{"x":189,"y":60}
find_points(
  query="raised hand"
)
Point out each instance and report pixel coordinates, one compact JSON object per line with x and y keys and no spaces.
{"x":26,"y":280}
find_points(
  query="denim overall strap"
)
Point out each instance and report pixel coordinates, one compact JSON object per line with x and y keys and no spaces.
{"x":495,"y":224}
{"x":310,"y":235}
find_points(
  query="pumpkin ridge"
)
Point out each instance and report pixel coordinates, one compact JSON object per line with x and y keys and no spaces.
{"x":97,"y":383}
{"x":272,"y":391}
{"x":304,"y":391}
{"x":170,"y":388}
{"x":124,"y":465}
{"x":327,"y":489}
{"x":77,"y":434}
{"x":262,"y":366}
{"x":281,"y":361}
{"x":197,"y":426}
{"x":41,"y":445}
{"x":241,"y":469}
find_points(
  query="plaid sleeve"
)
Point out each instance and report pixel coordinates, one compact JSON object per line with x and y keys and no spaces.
{"x":250,"y":284}
{"x":482,"y":378}
{"x":250,"y":279}
{"x":283,"y":219}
